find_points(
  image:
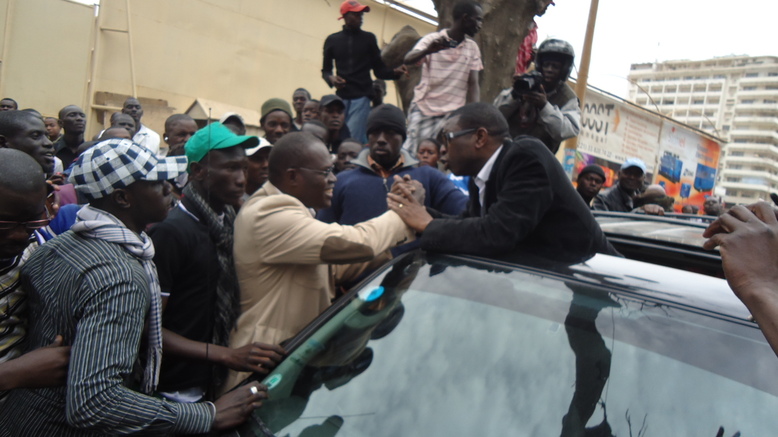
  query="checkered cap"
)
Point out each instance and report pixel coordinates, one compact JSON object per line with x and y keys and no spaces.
{"x":117,"y":163}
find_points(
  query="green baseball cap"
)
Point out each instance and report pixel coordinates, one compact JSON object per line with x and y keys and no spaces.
{"x":212,"y":137}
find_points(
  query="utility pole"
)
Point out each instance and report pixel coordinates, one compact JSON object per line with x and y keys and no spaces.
{"x":583,"y":72}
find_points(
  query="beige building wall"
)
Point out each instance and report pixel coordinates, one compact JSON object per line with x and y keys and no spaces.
{"x":234,"y":52}
{"x":45,"y":48}
{"x":229,"y":53}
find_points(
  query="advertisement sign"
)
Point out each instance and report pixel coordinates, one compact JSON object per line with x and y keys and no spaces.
{"x":687,"y":164}
{"x":613,"y":130}
{"x":681,"y":159}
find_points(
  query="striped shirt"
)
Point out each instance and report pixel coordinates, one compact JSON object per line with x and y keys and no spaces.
{"x":13,"y":306}
{"x":445,"y":74}
{"x":94,"y":294}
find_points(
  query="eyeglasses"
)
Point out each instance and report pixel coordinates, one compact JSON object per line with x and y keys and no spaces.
{"x":330,"y":170}
{"x":451,"y":135}
{"x":30,"y":226}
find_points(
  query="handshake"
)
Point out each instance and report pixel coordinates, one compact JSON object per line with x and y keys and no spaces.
{"x":407,"y":200}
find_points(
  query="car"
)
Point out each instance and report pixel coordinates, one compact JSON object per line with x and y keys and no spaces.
{"x":673,"y":240}
{"x":450,"y":345}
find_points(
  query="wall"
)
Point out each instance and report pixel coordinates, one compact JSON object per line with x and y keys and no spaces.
{"x":239,"y":52}
{"x":236,"y":52}
{"x":45,"y":52}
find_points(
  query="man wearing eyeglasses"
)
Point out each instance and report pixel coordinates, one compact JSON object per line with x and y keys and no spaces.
{"x":288,"y":263}
{"x":522,"y":205}
{"x":22,"y":212}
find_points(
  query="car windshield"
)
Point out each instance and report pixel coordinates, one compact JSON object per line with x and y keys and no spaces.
{"x":453,"y":346}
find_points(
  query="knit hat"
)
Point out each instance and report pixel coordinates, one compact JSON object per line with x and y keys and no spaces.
{"x":117,"y":163}
{"x":387,"y":116}
{"x":275,"y":104}
{"x":215,"y":136}
{"x":592,"y":168}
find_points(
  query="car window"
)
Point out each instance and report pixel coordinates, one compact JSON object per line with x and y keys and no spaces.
{"x":450,"y":346}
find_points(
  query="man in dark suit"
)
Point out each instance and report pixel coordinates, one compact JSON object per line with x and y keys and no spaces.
{"x":522,"y":205}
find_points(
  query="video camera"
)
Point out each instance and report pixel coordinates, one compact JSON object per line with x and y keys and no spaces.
{"x":526,"y":83}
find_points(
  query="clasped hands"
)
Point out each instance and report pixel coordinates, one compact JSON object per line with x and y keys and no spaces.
{"x":407,"y":200}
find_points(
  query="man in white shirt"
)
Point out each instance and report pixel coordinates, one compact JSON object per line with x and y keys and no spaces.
{"x":143,"y":136}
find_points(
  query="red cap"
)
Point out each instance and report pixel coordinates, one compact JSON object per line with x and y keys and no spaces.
{"x":352,"y":6}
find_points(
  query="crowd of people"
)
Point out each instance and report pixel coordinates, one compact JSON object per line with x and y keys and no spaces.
{"x":144,"y":280}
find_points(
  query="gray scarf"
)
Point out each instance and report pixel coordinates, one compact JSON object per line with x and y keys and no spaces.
{"x":227,"y":291}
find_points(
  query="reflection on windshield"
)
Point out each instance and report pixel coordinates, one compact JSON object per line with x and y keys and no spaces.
{"x":592,"y":364}
{"x":448,"y":347}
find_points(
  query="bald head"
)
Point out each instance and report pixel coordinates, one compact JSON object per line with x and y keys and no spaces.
{"x":22,"y":199}
{"x":124,"y":121}
{"x":291,"y":150}
{"x":115,"y":132}
{"x":177,"y":118}
{"x":20,"y":173}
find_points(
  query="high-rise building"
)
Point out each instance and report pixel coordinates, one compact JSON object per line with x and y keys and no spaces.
{"x":732,"y":97}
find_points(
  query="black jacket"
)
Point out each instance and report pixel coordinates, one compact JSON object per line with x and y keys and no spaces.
{"x":533,"y":213}
{"x":355,"y":53}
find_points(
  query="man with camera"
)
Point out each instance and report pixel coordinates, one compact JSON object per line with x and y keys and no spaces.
{"x":540,"y":103}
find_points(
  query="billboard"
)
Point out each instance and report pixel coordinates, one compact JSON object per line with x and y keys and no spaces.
{"x":687,"y":164}
{"x":681,"y":159}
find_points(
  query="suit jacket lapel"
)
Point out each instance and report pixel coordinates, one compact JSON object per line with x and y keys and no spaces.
{"x":491,"y":185}
{"x":475,"y":203}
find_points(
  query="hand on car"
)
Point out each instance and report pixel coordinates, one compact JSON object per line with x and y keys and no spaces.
{"x":413,"y":213}
{"x":255,"y":357}
{"x":234,"y":407}
{"x":653,"y":209}
{"x":747,"y":238}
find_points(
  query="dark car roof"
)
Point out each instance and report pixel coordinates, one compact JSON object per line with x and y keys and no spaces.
{"x":647,"y":281}
{"x":432,"y":343}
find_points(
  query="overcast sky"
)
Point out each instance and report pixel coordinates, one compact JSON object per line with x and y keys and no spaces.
{"x":637,"y":31}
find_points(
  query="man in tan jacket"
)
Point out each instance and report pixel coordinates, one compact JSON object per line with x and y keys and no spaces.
{"x":287,"y":262}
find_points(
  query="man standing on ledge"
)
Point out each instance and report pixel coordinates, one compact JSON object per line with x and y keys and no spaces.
{"x":355,"y":53}
{"x":449,"y":75}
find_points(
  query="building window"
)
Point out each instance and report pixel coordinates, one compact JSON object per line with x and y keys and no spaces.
{"x":749,"y":88}
{"x":772,"y":74}
{"x":752,"y":74}
{"x":770,"y":102}
{"x":698,"y":102}
{"x":736,"y":153}
{"x":748,"y":102}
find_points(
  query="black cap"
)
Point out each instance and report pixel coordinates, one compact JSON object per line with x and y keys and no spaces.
{"x":387,"y":116}
{"x":330,"y":99}
{"x":592,"y":168}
